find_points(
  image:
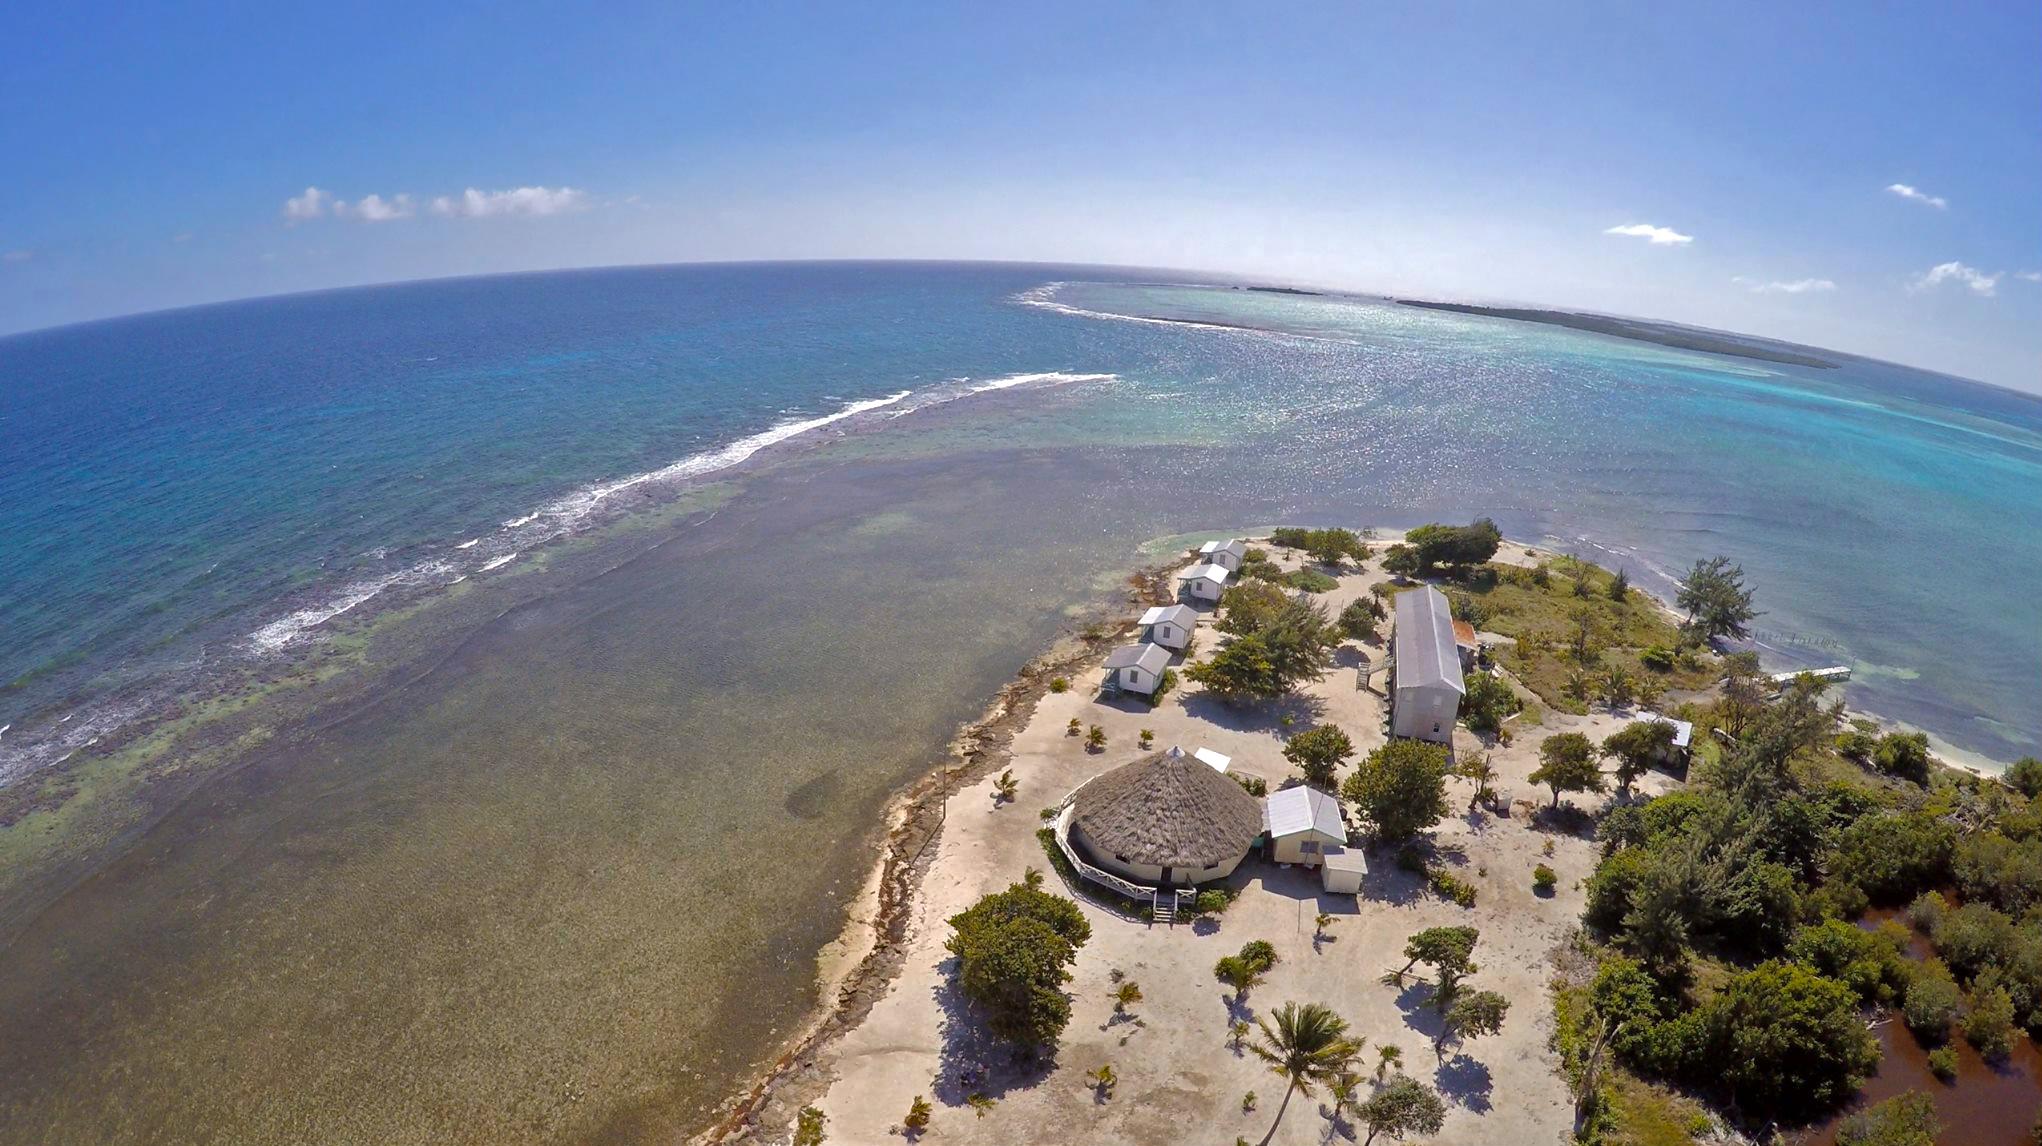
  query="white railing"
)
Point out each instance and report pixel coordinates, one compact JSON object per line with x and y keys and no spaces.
{"x":1106,"y":879}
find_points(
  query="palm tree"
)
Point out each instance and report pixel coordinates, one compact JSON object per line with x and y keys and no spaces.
{"x":1308,"y":1046}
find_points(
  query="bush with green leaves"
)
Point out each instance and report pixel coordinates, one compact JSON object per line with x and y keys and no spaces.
{"x":1400,"y":1107}
{"x":1453,"y":547}
{"x":1544,"y":878}
{"x":1318,"y":753}
{"x":1636,"y":747}
{"x":1903,"y":754}
{"x":1489,"y":702}
{"x":1933,"y":1003}
{"x":1014,"y":949}
{"x":1399,"y":790}
{"x":1904,"y":1120}
{"x":1359,"y":619}
{"x":2025,"y":777}
{"x":1567,"y":764}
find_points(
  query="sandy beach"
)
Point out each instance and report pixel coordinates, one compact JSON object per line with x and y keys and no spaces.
{"x":900,"y":1032}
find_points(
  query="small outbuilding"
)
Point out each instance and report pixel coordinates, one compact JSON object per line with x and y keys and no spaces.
{"x":1169,"y":625}
{"x":1219,"y":761}
{"x":1207,"y":582}
{"x":1165,"y":820}
{"x":1226,"y":554}
{"x":1683,"y":738}
{"x":1136,"y":668}
{"x":1342,"y":869}
{"x":1303,"y":822}
{"x":1426,"y":686}
{"x":1467,"y":645}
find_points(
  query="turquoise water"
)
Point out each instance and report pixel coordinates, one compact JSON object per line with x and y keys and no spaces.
{"x":560,"y":872}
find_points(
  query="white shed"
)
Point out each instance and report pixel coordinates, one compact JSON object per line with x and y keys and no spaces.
{"x":1426,"y":696}
{"x":1226,"y":554}
{"x":1136,"y":668}
{"x":1169,"y":625}
{"x":1303,"y":822}
{"x":1206,"y":582}
{"x":1219,"y":761}
{"x":1342,"y":869}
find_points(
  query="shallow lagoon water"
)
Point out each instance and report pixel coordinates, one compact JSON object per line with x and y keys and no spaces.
{"x":569,"y":883}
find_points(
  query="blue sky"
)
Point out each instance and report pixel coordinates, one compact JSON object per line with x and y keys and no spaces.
{"x":1457,"y":150}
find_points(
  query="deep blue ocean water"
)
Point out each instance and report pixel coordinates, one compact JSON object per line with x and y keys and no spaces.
{"x":190,"y":489}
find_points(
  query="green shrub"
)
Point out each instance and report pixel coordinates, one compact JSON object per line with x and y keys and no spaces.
{"x":1943,"y":1063}
{"x":1544,"y":878}
{"x":1451,"y":887}
{"x":1212,"y":901}
{"x":1059,"y":684}
{"x":1311,"y":581}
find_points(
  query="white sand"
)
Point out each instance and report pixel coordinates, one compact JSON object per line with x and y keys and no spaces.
{"x":1179,"y":1080}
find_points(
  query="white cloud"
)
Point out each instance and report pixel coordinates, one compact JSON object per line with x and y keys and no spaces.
{"x":375,"y":208}
{"x":1658,"y":236}
{"x":1918,"y":195}
{"x":534,"y":201}
{"x":310,"y":205}
{"x":17,"y":256}
{"x":1796,"y":286}
{"x":2031,"y":276}
{"x":1980,"y":283}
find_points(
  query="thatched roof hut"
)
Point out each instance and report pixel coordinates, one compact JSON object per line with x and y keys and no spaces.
{"x":1166,"y":813}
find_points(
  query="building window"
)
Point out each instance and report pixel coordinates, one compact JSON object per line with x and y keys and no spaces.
{"x":1309,"y":847}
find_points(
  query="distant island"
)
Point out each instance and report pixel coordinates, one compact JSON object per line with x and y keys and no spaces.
{"x":1679,"y":337}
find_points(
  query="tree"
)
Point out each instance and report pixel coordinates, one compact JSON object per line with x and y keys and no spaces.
{"x":1247,"y":607}
{"x":1715,"y":600}
{"x":1903,"y":754}
{"x":1583,"y":641}
{"x":1359,"y":619}
{"x":1567,"y":764}
{"x":1454,"y":547}
{"x":1489,"y":702}
{"x":1990,"y":1025}
{"x":918,"y":1115}
{"x":1782,"y":1037}
{"x":1319,"y":753}
{"x":1904,"y":1120}
{"x":1399,"y":1107}
{"x":1636,"y":747}
{"x":1307,"y":1046}
{"x":1620,"y":586}
{"x":1013,"y":949}
{"x":1400,"y":788}
{"x":2025,"y":776}
{"x":1449,"y":951}
{"x":1242,"y":669}
{"x":1401,"y":561}
{"x":1477,"y":767}
{"x":1471,"y":1015}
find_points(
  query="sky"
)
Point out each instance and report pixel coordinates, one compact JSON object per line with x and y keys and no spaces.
{"x":1864,"y":177}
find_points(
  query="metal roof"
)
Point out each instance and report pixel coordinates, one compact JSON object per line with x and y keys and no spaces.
{"x":1425,"y":649}
{"x":1344,"y":859}
{"x":1683,"y":732}
{"x":1233,"y":545}
{"x":1217,"y":760}
{"x":1154,"y":658}
{"x":1303,"y":809}
{"x":1182,"y":614}
{"x":1217,"y":574}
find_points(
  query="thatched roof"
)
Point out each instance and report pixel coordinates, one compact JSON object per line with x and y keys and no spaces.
{"x":1169,"y":809}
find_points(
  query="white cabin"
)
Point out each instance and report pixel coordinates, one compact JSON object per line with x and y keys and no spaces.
{"x":1226,"y":554}
{"x":1426,"y":692}
{"x":1302,"y":823}
{"x":1169,"y":625}
{"x":1136,"y":668}
{"x":1206,"y":582}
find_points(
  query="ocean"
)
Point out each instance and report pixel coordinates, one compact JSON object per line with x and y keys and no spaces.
{"x":426,"y":705}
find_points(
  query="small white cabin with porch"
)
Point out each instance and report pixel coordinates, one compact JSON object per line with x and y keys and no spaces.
{"x":1169,"y":625}
{"x":1302,"y":823}
{"x":1136,"y":668}
{"x":1206,"y":582}
{"x":1226,"y":554}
